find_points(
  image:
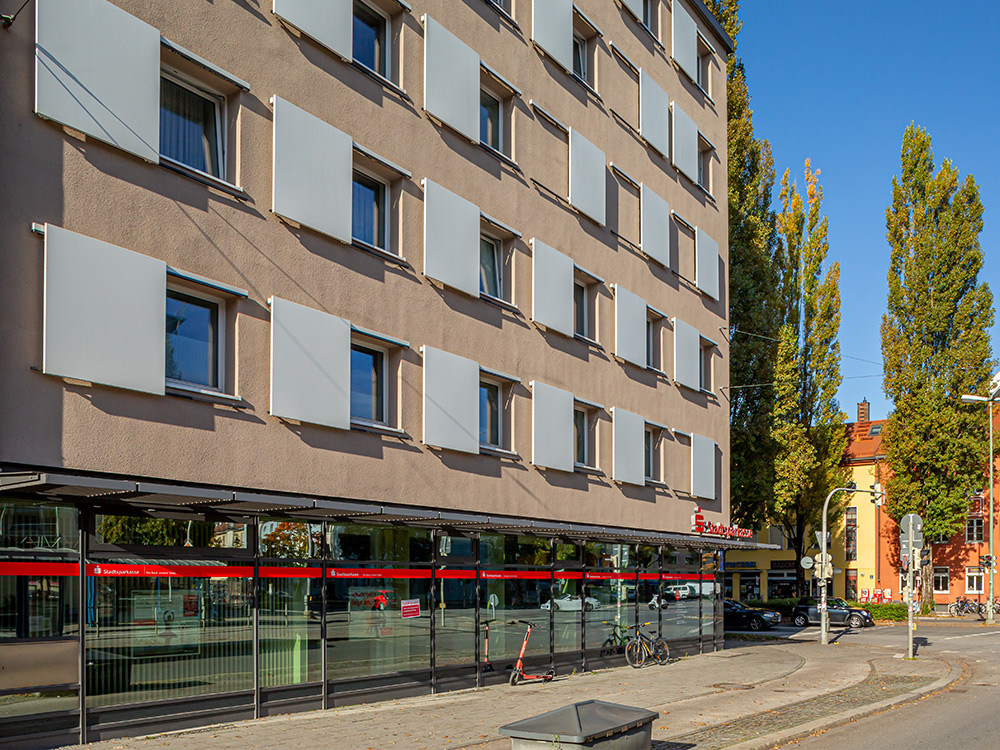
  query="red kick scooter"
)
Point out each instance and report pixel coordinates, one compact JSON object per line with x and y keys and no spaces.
{"x":487,"y":666}
{"x":517,"y":673}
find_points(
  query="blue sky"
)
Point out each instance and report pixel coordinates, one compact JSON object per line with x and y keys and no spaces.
{"x":839,"y":83}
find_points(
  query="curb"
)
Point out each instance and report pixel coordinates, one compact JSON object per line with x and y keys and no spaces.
{"x":829,"y":722}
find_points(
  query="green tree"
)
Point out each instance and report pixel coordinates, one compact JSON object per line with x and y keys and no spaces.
{"x":808,"y":426}
{"x":935,"y":341}
{"x":158,"y":532}
{"x":753,"y":321}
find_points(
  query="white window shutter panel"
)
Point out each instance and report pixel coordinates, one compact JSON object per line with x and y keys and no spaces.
{"x":451,"y":401}
{"x":104,"y":313}
{"x":654,"y":226}
{"x":97,"y":69}
{"x":551,"y":427}
{"x":685,"y":143}
{"x":685,"y":40}
{"x":329,"y":22}
{"x":551,"y":288}
{"x":654,"y":113}
{"x":451,"y":238}
{"x":687,"y":355}
{"x":635,"y":8}
{"x":451,"y":79}
{"x":587,"y":178}
{"x":310,"y":365}
{"x":703,"y":467}
{"x":552,"y":29}
{"x":630,"y":326}
{"x":706,"y":251}
{"x":629,"y":462}
{"x":312,"y":176}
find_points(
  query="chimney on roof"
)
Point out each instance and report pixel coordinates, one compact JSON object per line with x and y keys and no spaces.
{"x":863,"y":411}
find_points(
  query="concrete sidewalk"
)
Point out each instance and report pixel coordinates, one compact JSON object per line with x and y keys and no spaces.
{"x":752,"y":695}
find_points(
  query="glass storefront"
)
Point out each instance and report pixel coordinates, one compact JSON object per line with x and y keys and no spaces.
{"x":189,"y":607}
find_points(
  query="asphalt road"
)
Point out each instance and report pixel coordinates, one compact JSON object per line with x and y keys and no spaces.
{"x":964,"y":715}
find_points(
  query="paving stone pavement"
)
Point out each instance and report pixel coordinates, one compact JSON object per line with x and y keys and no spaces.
{"x":710,"y":701}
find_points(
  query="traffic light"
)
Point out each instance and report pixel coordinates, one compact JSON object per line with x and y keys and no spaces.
{"x":986,"y":561}
{"x":925,"y":557}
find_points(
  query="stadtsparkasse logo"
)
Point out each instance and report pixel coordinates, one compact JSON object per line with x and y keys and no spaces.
{"x":700,"y":526}
{"x":697,"y":521}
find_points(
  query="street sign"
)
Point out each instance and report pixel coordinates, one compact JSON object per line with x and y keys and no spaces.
{"x":904,"y":561}
{"x":807,"y":562}
{"x":819,"y":540}
{"x":918,"y":529}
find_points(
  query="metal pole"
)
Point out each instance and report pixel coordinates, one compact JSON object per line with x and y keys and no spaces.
{"x":824,"y":622}
{"x":989,"y":602}
{"x":909,"y":587}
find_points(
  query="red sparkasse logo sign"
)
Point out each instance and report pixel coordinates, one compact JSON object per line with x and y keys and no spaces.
{"x":700,"y":526}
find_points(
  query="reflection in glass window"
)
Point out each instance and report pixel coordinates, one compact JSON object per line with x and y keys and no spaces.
{"x":192,"y":340}
{"x":35,"y":526}
{"x":489,"y":267}
{"x":370,"y":39}
{"x":489,"y":414}
{"x":290,"y":630}
{"x":382,"y":543}
{"x":290,"y":539}
{"x":37,"y":606}
{"x":580,"y":309}
{"x":489,"y":120}
{"x":368,"y":215}
{"x":189,"y":127}
{"x":367,"y":384}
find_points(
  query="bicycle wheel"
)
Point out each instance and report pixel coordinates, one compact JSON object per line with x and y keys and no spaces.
{"x":635,"y":653}
{"x":953,"y":610}
{"x":661,"y":651}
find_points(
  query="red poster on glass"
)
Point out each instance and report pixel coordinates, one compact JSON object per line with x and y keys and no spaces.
{"x":410,"y":608}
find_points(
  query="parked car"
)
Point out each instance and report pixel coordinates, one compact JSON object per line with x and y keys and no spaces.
{"x":806,"y":612}
{"x":680,"y":591}
{"x":741,"y":617}
{"x":570,"y":602}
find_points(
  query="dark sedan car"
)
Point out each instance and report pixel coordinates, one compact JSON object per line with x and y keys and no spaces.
{"x":841,"y":613}
{"x":738,"y":616}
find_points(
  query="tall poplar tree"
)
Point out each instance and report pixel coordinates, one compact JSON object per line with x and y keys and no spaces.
{"x":935,"y":341}
{"x":754,"y":324}
{"x":808,"y":426}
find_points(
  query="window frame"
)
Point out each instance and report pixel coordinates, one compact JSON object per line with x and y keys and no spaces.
{"x":221,"y":324}
{"x":500,"y":129}
{"x":386,"y":189}
{"x":946,"y":573}
{"x":487,"y":382}
{"x":221,"y":109}
{"x":975,"y":573}
{"x":975,"y":525}
{"x":387,"y":44}
{"x":706,"y":155}
{"x":383,"y":383}
{"x":589,"y":454}
{"x":580,"y":42}
{"x":652,"y":469}
{"x":498,"y":259}
{"x":851,"y":534}
{"x":706,"y":370}
{"x":581,"y":309}
{"x":705,"y":55}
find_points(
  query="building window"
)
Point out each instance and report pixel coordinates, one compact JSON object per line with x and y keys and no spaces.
{"x":490,"y":433}
{"x":368,"y":384}
{"x":369,"y":222}
{"x":973,"y":580}
{"x":942,"y":580}
{"x":191,"y":126}
{"x":704,"y":66}
{"x":194,"y":340}
{"x":582,"y":438}
{"x":370,"y":39}
{"x":490,"y":280}
{"x":705,"y":365}
{"x":851,"y":586}
{"x":584,"y":46}
{"x":974,"y":531}
{"x":706,"y":155}
{"x":490,"y":121}
{"x":650,"y":454}
{"x":580,"y":56}
{"x":581,"y":317}
{"x":851,"y":534}
{"x":651,"y":348}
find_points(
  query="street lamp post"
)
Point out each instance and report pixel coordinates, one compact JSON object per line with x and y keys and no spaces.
{"x":970,"y":399}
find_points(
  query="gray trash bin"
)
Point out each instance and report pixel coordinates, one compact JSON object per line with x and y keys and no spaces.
{"x":594,"y":724}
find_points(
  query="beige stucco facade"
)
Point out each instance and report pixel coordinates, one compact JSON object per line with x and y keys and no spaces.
{"x":56,"y":175}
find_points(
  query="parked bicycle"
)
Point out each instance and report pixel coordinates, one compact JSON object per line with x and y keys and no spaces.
{"x":965,"y":606}
{"x":642,"y":647}
{"x":616,"y":640}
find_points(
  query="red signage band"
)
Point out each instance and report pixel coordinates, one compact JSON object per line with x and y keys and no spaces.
{"x":649,"y":576}
{"x":519,"y":575}
{"x":455,"y":574}
{"x":285,"y":572}
{"x":595,"y":575}
{"x":569,"y":575}
{"x":170,"y":571}
{"x":378,"y":573}
{"x":39,"y":569}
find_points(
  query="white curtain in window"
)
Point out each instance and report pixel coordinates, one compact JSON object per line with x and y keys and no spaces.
{"x":451,"y":79}
{"x":552,"y":444}
{"x":188,"y":127}
{"x":310,"y":365}
{"x":329,"y":22}
{"x":97,"y":69}
{"x":104,"y":313}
